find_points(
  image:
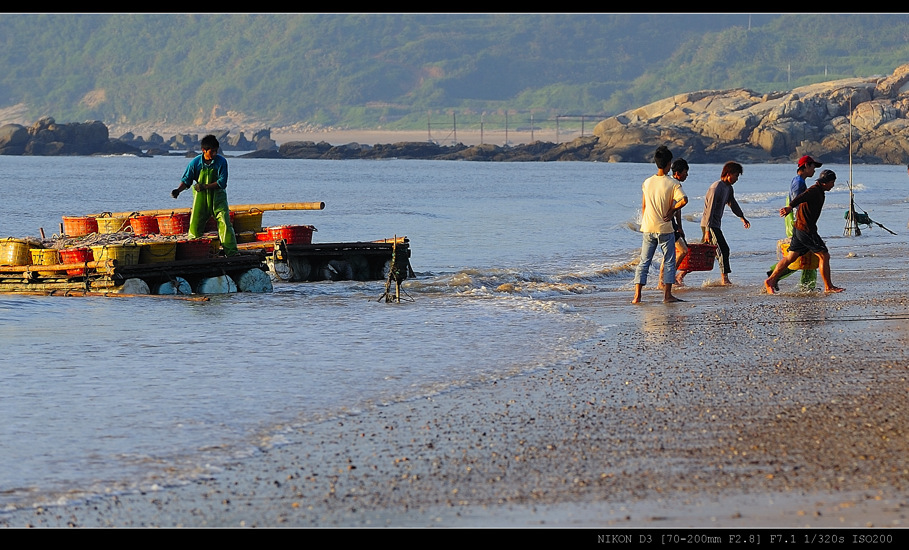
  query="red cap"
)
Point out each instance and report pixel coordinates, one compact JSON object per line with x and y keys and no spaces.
{"x":806,"y":159}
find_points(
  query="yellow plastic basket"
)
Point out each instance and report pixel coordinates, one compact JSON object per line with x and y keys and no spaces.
{"x":46,"y":256}
{"x":14,"y":252}
{"x":153,"y":252}
{"x":124,"y":254}
{"x":113,"y":225}
{"x":247,"y":221}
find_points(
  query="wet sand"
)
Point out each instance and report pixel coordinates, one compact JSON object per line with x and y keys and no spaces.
{"x":770,"y":411}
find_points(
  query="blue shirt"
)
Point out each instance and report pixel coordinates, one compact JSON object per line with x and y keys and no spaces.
{"x":797,"y":187}
{"x":206,"y":172}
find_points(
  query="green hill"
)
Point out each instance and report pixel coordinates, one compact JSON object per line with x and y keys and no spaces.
{"x":392,"y":70}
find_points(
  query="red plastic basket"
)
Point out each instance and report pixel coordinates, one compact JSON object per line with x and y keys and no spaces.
{"x":700,"y":257}
{"x":76,"y":255}
{"x":292,"y":234}
{"x":173,"y":224}
{"x":193,"y":249}
{"x":79,"y":226}
{"x":144,"y":225}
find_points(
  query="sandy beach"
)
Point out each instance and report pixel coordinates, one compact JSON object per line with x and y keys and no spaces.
{"x":806,"y":430}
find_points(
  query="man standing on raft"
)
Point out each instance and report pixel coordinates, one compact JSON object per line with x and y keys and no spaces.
{"x":805,"y":237}
{"x":209,"y":171}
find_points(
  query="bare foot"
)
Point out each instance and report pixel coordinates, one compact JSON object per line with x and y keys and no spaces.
{"x":833,"y":289}
{"x":679,"y":278}
{"x":770,"y":288}
{"x":725,"y":282}
{"x":672,"y":299}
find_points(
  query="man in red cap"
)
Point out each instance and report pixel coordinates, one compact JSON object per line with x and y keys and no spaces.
{"x":805,"y":169}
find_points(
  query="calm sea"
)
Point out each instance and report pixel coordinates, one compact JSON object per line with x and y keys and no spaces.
{"x":99,"y":395}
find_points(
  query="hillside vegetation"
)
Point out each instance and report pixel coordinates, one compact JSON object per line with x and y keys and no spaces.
{"x":396,"y":70}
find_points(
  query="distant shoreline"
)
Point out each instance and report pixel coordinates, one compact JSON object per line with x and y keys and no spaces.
{"x":446,"y":137}
{"x":378,"y":136}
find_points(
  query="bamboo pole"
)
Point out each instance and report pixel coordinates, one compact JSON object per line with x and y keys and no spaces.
{"x":395,"y":240}
{"x":280,"y":206}
{"x":234,"y":208}
{"x":84,"y":293}
{"x":270,"y":244}
{"x":57,"y":267}
{"x":25,"y":287}
{"x":255,"y":245}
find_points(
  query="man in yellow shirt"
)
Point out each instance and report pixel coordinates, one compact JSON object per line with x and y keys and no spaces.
{"x":662,"y":196}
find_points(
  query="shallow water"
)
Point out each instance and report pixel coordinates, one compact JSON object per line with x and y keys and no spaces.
{"x":107,"y":394}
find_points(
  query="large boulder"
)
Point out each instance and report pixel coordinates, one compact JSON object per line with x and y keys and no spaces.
{"x":46,"y":137}
{"x":870,"y":115}
{"x":13,"y":139}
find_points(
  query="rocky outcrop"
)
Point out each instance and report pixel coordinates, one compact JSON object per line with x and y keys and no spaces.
{"x":580,"y":149}
{"x":46,"y":138}
{"x":715,"y":126}
{"x":158,"y":145}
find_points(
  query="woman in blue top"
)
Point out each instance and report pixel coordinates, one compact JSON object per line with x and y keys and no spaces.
{"x":209,"y":171}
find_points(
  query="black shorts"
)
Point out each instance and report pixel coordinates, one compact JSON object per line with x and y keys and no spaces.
{"x":803,"y":242}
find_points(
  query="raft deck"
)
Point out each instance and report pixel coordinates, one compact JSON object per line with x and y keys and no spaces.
{"x":357,"y":261}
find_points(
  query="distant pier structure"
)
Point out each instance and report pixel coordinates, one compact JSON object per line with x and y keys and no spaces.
{"x":507,"y":127}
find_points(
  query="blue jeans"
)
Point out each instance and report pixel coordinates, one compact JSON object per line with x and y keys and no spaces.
{"x":666,"y":242}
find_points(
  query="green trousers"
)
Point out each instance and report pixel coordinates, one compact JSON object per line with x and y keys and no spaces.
{"x":809,"y":276}
{"x":210,"y":203}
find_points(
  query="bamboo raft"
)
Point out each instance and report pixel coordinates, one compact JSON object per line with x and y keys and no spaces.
{"x":110,"y":276}
{"x":282,"y":259}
